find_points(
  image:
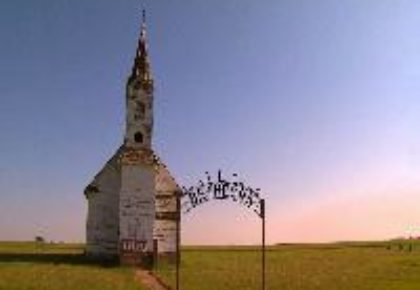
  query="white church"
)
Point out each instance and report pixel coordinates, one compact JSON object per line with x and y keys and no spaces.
{"x":132,"y":208}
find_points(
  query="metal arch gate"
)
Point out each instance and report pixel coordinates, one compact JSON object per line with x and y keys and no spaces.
{"x":220,"y":190}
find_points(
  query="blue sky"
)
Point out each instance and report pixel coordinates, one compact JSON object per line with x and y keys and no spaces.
{"x":315,"y":102}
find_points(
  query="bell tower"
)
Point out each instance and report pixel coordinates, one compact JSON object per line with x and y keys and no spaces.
{"x":139,"y":97}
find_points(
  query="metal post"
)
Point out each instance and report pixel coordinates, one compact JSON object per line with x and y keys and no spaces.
{"x":263,"y":243}
{"x":178,"y":238}
{"x":155,"y":254}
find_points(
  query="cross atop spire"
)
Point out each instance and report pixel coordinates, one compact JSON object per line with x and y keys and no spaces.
{"x":141,"y":70}
{"x":143,"y":15}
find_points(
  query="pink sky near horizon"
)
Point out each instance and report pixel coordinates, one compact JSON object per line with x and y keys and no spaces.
{"x":380,"y":216}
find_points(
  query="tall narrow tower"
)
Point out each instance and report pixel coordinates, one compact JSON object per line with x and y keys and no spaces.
{"x":137,"y":193}
{"x":132,"y":199}
{"x":139,"y":97}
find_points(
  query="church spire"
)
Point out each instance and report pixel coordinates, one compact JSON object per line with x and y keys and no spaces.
{"x":141,"y":70}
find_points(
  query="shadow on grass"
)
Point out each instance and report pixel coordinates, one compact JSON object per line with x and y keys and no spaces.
{"x":42,"y":258}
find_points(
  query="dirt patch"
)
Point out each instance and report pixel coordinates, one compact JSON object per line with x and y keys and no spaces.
{"x":151,"y":281}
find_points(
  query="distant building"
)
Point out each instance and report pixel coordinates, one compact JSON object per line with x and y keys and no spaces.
{"x":132,"y":199}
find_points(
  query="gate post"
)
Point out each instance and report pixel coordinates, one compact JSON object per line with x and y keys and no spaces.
{"x":155,"y":254}
{"x":263,"y":243}
{"x":178,"y":237}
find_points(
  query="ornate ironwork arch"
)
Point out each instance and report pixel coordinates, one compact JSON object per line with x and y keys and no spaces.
{"x":221,"y":189}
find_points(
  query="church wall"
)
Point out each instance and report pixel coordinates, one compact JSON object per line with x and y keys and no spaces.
{"x":103,"y":212}
{"x":165,"y":224}
{"x":165,"y":233}
{"x":137,"y":199}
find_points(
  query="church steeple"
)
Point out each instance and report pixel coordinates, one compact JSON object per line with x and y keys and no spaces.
{"x":139,"y":98}
{"x":125,"y":214}
{"x":141,"y":70}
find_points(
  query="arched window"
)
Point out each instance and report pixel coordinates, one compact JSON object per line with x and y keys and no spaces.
{"x":138,"y":137}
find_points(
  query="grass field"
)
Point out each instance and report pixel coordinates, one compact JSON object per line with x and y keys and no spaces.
{"x":31,"y":266}
{"x":352,"y":266}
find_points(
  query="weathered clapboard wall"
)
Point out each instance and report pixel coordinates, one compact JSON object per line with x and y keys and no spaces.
{"x":165,"y":223}
{"x":102,"y":223}
{"x":140,"y":210}
{"x":137,"y":203}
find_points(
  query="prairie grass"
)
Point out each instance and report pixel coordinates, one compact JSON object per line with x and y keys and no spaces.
{"x":37,"y":266}
{"x":340,"y":266}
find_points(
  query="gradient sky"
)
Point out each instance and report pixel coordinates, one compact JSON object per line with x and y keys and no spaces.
{"x":315,"y":102}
